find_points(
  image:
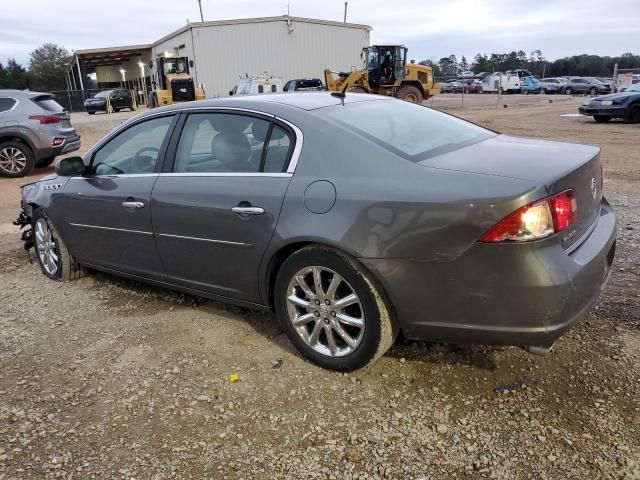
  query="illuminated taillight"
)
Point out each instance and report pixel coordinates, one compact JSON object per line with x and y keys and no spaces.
{"x":536,"y":220}
{"x":57,"y":141}
{"x":44,"y":119}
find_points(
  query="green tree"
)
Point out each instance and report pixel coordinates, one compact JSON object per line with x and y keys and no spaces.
{"x":47,"y":67}
{"x":13,"y":76}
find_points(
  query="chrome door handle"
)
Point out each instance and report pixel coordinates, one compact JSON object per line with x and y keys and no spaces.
{"x":132,"y":205}
{"x":248,"y":210}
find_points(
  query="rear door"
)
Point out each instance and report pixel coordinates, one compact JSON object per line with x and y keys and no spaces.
{"x":107,"y":213}
{"x":216,"y":209}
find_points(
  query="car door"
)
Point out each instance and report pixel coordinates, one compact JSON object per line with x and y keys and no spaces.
{"x":107,"y":214}
{"x":216,"y":209}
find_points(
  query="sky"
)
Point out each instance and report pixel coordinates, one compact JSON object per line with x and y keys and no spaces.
{"x":429,"y":28}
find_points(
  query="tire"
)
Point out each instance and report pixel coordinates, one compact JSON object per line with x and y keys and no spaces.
{"x":52,"y":253}
{"x":44,"y":162}
{"x":116,"y":110}
{"x":409,"y":93}
{"x":371,"y":309}
{"x":543,"y":90}
{"x":601,"y":118}
{"x":568,"y":91}
{"x":16,"y":159}
{"x":91,"y":113}
{"x":632,"y":115}
{"x":593,"y":91}
{"x":526,"y":92}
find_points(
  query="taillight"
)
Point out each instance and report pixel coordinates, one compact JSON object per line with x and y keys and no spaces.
{"x":44,"y":119}
{"x":536,"y":220}
{"x":57,"y":141}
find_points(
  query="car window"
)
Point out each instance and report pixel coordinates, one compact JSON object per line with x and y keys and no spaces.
{"x":136,"y":150}
{"x":244,"y":88}
{"x":274,"y":88}
{"x":221,"y":142}
{"x":275,"y":159}
{"x":7,"y":103}
{"x":409,"y":130}
{"x":103,"y":94}
{"x":48,"y":103}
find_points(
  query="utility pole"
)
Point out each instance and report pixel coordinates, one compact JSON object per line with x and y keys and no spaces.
{"x":200,"y":7}
{"x":346,"y":4}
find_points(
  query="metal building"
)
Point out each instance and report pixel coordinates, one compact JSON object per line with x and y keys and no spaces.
{"x":223,"y":51}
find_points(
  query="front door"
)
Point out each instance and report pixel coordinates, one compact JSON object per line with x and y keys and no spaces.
{"x":107,"y":213}
{"x":215,"y":212}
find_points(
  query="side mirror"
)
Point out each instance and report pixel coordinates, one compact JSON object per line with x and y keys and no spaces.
{"x":70,"y":167}
{"x":230,"y":92}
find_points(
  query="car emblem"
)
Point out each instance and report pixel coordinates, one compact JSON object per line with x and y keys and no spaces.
{"x":594,"y":188}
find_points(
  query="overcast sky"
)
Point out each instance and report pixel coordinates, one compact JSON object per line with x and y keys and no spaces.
{"x":430,"y":28}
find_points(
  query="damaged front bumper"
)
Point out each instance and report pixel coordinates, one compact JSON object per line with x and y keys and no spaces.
{"x":23,"y":221}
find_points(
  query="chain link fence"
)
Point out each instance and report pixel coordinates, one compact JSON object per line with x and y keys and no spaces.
{"x":73,"y":100}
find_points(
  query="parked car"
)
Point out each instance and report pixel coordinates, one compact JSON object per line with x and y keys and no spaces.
{"x":589,"y":86}
{"x":257,"y":86}
{"x":434,"y":226}
{"x":468,"y":85}
{"x":303,"y":85}
{"x":481,"y":75}
{"x":467,"y":74}
{"x":552,"y":85}
{"x":119,"y":98}
{"x":34,"y":129}
{"x":625,"y":105}
{"x":530,"y":85}
{"x":450,"y":86}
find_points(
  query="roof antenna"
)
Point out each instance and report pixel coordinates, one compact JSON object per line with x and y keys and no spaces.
{"x":288,"y":8}
{"x":340,"y":95}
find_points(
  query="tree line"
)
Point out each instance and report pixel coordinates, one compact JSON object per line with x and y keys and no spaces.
{"x":578,"y":65}
{"x":46,"y":70}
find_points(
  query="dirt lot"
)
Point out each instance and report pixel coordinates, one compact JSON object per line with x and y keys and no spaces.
{"x":105,"y":378}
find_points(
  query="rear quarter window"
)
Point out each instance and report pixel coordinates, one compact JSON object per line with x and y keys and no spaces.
{"x":411,"y":131}
{"x":7,"y":104}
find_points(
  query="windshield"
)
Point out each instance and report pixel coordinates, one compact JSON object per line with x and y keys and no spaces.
{"x":406,"y":129}
{"x":634,"y":88}
{"x":104,"y":94}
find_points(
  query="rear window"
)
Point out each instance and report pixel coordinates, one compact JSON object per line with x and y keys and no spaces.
{"x":406,"y":129}
{"x":48,"y":103}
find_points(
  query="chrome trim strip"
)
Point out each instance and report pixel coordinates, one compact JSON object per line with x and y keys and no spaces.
{"x":211,"y":240}
{"x":126,"y":175}
{"x":295,"y":156}
{"x":109,"y":228}
{"x":226,"y":174}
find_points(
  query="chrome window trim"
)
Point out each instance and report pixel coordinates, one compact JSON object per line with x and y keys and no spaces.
{"x":15,"y":105}
{"x":293,"y":161}
{"x":227,"y":174}
{"x":122,"y":175}
{"x":211,"y":240}
{"x":99,"y":227}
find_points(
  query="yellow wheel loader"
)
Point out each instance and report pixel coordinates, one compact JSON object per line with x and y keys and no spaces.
{"x":386,"y":72}
{"x":174,"y":83}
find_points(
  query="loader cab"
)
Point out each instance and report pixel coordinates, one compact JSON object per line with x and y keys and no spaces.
{"x":171,"y":66}
{"x":384,"y":64}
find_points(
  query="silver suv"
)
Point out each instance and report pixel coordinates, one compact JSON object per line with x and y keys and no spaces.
{"x":34,"y":129}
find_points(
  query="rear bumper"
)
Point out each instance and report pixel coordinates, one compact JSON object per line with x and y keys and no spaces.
{"x":501,"y":294}
{"x":613,"y":112}
{"x":70,"y":144}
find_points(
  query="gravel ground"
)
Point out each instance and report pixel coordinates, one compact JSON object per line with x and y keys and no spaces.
{"x":107,"y":378}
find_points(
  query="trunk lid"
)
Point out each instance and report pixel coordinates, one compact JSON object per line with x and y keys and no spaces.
{"x":556,"y":165}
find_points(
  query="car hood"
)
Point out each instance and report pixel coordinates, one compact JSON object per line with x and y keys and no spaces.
{"x":46,"y":178}
{"x":530,"y":159}
{"x":95,"y":100}
{"x":616,"y":96}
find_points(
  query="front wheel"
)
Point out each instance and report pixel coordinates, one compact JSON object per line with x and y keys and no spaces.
{"x":332,"y":309}
{"x":53,"y":255}
{"x":593,"y":92}
{"x":568,"y":91}
{"x":633,"y":114}
{"x":409,"y":93}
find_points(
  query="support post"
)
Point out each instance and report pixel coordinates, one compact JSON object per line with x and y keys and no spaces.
{"x":80,"y":75}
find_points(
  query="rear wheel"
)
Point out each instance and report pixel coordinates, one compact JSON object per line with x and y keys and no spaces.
{"x":409,"y":93}
{"x":601,"y":118}
{"x":526,"y":92}
{"x":632,"y":114}
{"x":568,"y":91}
{"x":16,"y":159}
{"x":332,"y":310}
{"x":593,"y":91}
{"x":53,"y":256}
{"x":91,"y":113}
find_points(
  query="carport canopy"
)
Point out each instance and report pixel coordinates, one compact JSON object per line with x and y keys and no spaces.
{"x":88,"y":60}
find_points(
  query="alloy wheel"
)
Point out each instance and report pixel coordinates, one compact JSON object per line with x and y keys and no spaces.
{"x":325,"y":311}
{"x":12,"y":160}
{"x":46,"y":247}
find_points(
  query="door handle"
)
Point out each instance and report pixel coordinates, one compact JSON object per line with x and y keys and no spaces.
{"x":132,"y":205}
{"x":248,"y":210}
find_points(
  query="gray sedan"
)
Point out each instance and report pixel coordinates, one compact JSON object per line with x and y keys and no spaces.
{"x":353,"y":218}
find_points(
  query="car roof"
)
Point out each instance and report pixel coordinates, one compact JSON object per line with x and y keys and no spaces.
{"x":24,"y":93}
{"x":301,"y":100}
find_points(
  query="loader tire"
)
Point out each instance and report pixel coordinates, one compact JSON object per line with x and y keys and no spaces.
{"x":409,"y":93}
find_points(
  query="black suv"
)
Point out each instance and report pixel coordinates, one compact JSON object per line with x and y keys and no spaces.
{"x":303,"y":85}
{"x":118,"y":98}
{"x":592,"y":86}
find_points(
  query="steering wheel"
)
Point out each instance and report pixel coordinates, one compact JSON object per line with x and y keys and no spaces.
{"x":144,"y":163}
